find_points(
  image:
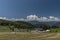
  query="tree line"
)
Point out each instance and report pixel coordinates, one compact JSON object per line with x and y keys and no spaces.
{"x":24,"y":25}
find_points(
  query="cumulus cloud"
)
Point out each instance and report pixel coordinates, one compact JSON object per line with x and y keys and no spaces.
{"x":42,"y":19}
{"x":3,"y":18}
{"x":52,"y":18}
{"x":34,"y":18}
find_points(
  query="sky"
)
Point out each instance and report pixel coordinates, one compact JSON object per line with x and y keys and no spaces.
{"x":23,"y":8}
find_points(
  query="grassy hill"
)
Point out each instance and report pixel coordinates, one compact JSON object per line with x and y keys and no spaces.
{"x":4,"y":29}
{"x":12,"y":25}
{"x":6,"y":25}
{"x":55,"y":30}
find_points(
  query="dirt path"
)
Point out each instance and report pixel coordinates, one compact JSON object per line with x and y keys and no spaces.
{"x":55,"y":36}
{"x":47,"y":36}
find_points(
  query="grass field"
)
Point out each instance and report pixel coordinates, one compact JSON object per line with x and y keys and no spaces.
{"x":29,"y":36}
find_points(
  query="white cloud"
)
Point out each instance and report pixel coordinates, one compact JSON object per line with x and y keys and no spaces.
{"x":42,"y":19}
{"x":52,"y":18}
{"x":3,"y":18}
{"x":34,"y":17}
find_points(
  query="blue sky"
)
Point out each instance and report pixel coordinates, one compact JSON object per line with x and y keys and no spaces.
{"x":23,"y":8}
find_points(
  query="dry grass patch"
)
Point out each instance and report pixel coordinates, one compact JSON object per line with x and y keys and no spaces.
{"x":29,"y":36}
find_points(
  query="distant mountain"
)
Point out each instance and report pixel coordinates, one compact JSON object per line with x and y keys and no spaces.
{"x":33,"y":22}
{"x":47,"y":23}
{"x":57,"y":24}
